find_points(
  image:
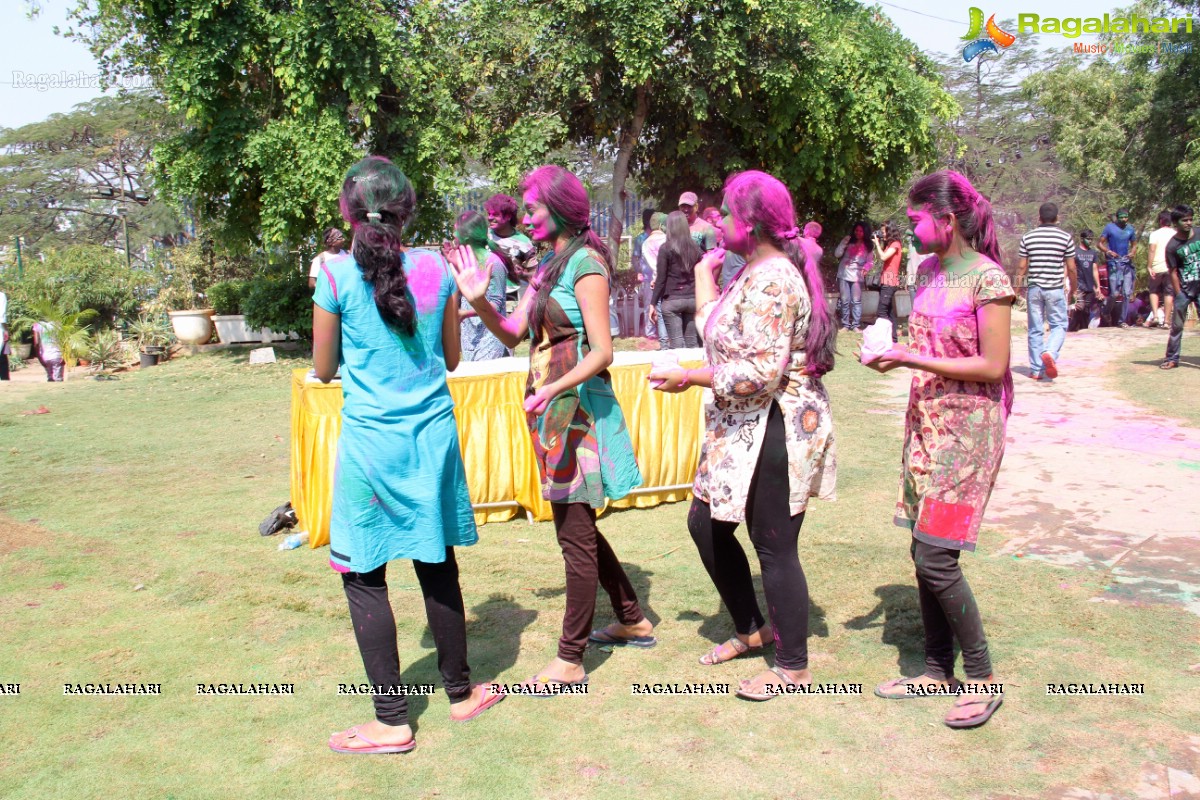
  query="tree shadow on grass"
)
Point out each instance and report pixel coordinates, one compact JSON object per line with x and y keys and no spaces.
{"x":901,"y":625}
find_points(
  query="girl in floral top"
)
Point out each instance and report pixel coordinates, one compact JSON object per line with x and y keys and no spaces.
{"x":768,"y":444}
{"x":954,"y":431}
{"x":583,"y":449}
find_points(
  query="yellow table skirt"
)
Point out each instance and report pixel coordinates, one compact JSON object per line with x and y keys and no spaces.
{"x":502,"y":475}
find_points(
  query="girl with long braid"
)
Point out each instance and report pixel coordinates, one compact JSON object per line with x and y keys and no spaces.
{"x":388,"y":319}
{"x":768,"y":447}
{"x":582,"y":446}
{"x":478,"y":343}
{"x":958,"y":408}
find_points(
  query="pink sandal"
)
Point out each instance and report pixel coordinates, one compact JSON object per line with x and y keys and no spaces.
{"x":490,"y":699}
{"x":374,"y":747}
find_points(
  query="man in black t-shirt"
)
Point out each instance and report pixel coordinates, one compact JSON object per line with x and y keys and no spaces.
{"x":1183,"y":263}
{"x":1089,"y":293}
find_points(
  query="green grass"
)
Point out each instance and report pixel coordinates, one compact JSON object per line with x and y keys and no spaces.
{"x":1171,"y":393}
{"x":159,"y":480}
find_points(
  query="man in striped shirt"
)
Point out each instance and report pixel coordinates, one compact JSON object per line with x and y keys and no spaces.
{"x":1048,"y":257}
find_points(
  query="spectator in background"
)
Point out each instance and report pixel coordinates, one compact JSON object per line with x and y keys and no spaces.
{"x":808,"y":241}
{"x":1160,"y":278}
{"x":477,"y":342}
{"x":1118,"y":242}
{"x":675,"y":283}
{"x":655,"y":327}
{"x":704,"y":233}
{"x":4,"y":346}
{"x":854,"y":254}
{"x":733,"y":262}
{"x":45,"y":345}
{"x":1088,"y":295}
{"x":888,"y":254}
{"x":334,"y":241}
{"x":516,"y":248}
{"x":1046,"y":252}
{"x":914,"y":261}
{"x":644,"y":271}
{"x":1183,"y":261}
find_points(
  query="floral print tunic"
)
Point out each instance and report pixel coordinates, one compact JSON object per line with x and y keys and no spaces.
{"x":954,"y":430}
{"x":754,"y":342}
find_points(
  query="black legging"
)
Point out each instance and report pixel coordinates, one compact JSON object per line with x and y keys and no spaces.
{"x":949,"y":611}
{"x":375,"y":629}
{"x":774,"y":534}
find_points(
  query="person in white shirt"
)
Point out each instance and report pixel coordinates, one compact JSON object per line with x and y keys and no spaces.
{"x":650,"y":248}
{"x":1160,"y":278}
{"x":334,"y":241}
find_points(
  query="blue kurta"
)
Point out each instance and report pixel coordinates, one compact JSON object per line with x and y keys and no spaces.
{"x":400,"y":489}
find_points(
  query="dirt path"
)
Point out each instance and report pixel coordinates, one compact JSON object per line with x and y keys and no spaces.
{"x":1092,"y":480}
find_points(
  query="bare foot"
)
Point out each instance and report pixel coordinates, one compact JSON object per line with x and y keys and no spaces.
{"x":374,"y":730}
{"x":463,"y":709}
{"x":565,"y":671}
{"x":619,"y":631}
{"x":758,"y":685}
{"x":977,"y":706}
{"x":898,"y":688}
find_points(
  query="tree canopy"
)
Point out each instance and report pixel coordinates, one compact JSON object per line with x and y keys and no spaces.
{"x":52,"y":172}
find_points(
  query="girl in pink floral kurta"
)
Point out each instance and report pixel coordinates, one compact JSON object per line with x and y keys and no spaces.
{"x":954,"y":431}
{"x":768,"y":444}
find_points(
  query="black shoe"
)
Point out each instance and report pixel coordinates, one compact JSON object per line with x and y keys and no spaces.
{"x":279,"y":519}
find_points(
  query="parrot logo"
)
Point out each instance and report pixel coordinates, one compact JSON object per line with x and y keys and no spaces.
{"x":978,"y":43}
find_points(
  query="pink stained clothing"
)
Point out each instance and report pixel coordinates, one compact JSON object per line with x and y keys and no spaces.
{"x":754,"y":341}
{"x":811,"y":249}
{"x":954,"y":430}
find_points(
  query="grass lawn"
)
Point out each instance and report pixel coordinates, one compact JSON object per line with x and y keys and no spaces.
{"x":1170,"y":393}
{"x":130,"y":553}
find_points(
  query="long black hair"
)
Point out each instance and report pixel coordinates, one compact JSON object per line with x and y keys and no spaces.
{"x":377,"y":202}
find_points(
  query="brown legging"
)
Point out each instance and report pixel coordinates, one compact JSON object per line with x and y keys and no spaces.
{"x":589,"y":560}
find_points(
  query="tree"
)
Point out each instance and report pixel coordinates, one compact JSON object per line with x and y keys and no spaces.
{"x":1127,"y":126}
{"x":827,"y":96}
{"x":281,"y":97}
{"x":51,"y":173}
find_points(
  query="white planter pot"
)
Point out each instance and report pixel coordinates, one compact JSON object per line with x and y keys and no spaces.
{"x":193,"y":326}
{"x":232,"y":328}
{"x":870,"y":303}
{"x":21,"y":351}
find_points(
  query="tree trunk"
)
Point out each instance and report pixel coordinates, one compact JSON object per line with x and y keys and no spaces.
{"x":625,"y":144}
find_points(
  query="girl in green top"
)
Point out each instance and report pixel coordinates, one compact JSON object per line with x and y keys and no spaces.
{"x":582,"y":446}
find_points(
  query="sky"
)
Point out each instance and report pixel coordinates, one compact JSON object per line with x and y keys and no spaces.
{"x":32,"y":54}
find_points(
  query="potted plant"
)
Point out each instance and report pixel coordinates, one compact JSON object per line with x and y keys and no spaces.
{"x":226,"y":299}
{"x":153,"y":336}
{"x":181,"y":295}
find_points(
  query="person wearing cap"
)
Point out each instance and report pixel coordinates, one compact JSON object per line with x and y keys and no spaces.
{"x":702,"y":231}
{"x":334,"y":240}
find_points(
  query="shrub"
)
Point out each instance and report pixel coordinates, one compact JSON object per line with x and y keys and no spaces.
{"x":83,"y":277}
{"x":280,"y":301}
{"x":106,"y":350}
{"x":226,"y":297}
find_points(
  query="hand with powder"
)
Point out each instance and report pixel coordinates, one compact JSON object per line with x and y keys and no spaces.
{"x":471,"y":277}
